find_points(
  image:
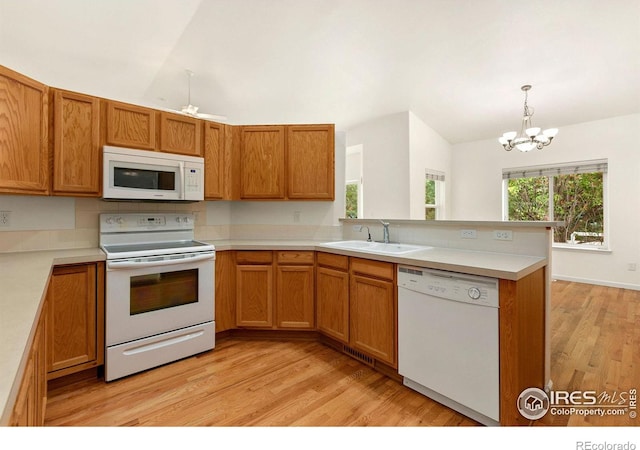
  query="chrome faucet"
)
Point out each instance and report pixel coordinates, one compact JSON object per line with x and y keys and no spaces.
{"x":385,"y":231}
{"x":368,"y":232}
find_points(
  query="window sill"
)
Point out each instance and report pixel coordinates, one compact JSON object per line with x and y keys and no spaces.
{"x":581,"y":248}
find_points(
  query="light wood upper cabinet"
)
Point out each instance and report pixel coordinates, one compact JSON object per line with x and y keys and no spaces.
{"x":215,"y":180}
{"x":76,"y":144}
{"x":130,"y":126}
{"x":76,"y":317}
{"x":24,"y":123}
{"x":180,"y":134}
{"x":262,"y":162}
{"x":310,"y":162}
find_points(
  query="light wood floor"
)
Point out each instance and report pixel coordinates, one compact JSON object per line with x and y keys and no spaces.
{"x":595,"y":346}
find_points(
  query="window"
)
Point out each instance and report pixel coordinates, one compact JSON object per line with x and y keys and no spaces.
{"x":352,"y":200}
{"x":353,"y":175}
{"x":433,"y":195}
{"x":571,"y":193}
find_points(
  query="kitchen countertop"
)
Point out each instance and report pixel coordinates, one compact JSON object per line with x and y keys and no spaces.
{"x":489,"y":264}
{"x":23,"y":285}
{"x":24,"y":277}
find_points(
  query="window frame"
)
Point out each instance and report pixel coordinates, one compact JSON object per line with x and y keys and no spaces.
{"x":439,"y":180}
{"x":551,"y":171}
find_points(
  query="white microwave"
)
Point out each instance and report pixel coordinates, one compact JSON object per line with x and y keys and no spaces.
{"x":130,"y":174}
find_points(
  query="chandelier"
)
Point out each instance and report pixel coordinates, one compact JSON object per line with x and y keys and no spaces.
{"x":529,"y":136}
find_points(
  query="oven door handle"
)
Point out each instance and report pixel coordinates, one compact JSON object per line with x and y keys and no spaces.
{"x":127,"y":264}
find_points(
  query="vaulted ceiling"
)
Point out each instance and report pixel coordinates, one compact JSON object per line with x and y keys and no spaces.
{"x":457,"y":64}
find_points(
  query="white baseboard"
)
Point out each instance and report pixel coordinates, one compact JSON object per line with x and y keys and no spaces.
{"x":614,"y":284}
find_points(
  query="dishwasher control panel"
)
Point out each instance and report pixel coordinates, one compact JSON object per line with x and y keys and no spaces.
{"x":450,"y":285}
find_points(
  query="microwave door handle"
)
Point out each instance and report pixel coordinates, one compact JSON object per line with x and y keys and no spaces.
{"x":169,"y":262}
{"x":183,"y":182}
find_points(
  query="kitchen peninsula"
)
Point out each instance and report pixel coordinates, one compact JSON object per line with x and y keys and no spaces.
{"x":518,"y":263}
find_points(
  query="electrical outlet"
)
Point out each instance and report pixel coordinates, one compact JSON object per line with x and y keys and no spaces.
{"x":632,"y":267}
{"x":503,"y":235}
{"x":296,"y":216}
{"x":468,"y":234}
{"x":5,"y":218}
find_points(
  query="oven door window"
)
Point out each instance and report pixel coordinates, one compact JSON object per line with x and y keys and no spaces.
{"x":144,"y":179}
{"x":163,"y":290}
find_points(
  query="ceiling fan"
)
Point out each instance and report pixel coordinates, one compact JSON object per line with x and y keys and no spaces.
{"x":191,"y":110}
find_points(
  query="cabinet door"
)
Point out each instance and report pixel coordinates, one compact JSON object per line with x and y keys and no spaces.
{"x":73,"y":320}
{"x":225,"y":300}
{"x":373,"y":317}
{"x":76,"y":151}
{"x":332,"y":303}
{"x":294,"y":299}
{"x":214,"y":161}
{"x":130,"y":126}
{"x":262,"y":162}
{"x":310,"y":162}
{"x":29,"y":409}
{"x":180,"y":134}
{"x":24,"y":122}
{"x":254,"y":296}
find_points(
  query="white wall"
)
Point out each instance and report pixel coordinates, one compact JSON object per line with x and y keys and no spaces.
{"x":477,"y":192}
{"x":385,"y":165}
{"x":427,"y":150}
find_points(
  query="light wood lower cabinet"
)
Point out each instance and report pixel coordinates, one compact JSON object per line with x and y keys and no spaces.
{"x":76,"y":319}
{"x":225,"y":300}
{"x":332,"y":296}
{"x":358,"y":307}
{"x":275,"y":289}
{"x":294,"y":290}
{"x":30,"y":406}
{"x":254,"y":289}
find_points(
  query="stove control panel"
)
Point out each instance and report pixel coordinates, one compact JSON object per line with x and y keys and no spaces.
{"x":131,"y":222}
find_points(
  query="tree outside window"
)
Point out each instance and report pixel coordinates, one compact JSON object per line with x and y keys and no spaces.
{"x":572,"y":194}
{"x":433,"y":194}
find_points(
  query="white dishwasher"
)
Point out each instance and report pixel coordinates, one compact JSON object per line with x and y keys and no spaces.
{"x":448,"y":347}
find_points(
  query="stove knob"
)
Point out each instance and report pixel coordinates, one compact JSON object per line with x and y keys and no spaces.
{"x":119,"y":220}
{"x":474,"y":293}
{"x":109,"y":220}
{"x":178,"y":219}
{"x":185,"y":219}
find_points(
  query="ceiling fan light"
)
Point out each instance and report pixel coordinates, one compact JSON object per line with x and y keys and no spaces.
{"x":503,"y":140}
{"x":509,"y":135}
{"x":550,"y":132}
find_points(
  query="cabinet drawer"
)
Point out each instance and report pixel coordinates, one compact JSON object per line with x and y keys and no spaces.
{"x":254,"y":257}
{"x":331,"y":260}
{"x":376,"y":269}
{"x":294,"y":257}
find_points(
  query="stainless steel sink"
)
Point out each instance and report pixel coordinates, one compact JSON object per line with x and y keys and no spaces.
{"x":376,"y":247}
